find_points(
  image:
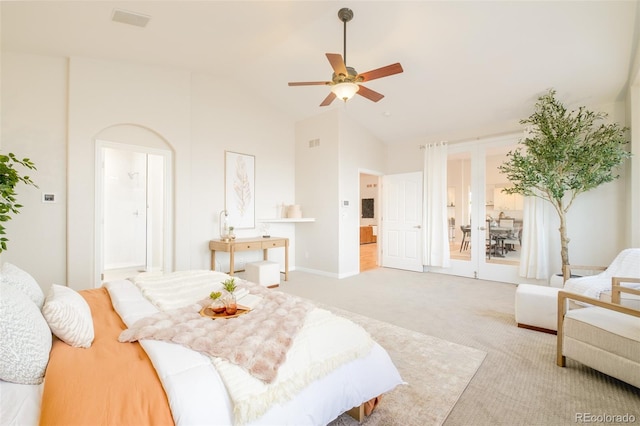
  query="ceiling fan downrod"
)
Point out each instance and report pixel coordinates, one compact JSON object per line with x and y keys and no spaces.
{"x":345,"y":14}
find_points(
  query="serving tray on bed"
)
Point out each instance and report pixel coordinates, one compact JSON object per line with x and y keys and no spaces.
{"x":208,"y":312}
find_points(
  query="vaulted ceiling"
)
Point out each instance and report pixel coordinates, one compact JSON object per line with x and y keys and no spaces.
{"x":471,"y":69}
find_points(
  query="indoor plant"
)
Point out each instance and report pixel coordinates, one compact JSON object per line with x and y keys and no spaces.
{"x":567,"y":153}
{"x":9,"y":178}
{"x":217,"y":303}
{"x":230,"y":301}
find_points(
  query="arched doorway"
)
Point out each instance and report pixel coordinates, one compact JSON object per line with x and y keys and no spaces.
{"x":133,"y":203}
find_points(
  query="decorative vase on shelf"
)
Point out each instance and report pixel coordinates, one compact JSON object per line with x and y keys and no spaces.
{"x":294,"y":211}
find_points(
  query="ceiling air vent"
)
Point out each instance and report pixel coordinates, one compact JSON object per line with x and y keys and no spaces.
{"x":131,"y":18}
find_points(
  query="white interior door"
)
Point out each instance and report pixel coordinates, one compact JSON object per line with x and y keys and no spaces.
{"x":402,"y":221}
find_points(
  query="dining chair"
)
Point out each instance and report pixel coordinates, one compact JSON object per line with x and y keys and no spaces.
{"x":511,"y":235}
{"x":466,"y":237}
{"x":505,"y":223}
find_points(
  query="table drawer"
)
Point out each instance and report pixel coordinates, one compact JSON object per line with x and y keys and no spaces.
{"x":272,"y":244}
{"x":248,"y":246}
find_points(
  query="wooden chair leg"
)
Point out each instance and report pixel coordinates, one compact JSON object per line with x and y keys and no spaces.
{"x":562,"y":310}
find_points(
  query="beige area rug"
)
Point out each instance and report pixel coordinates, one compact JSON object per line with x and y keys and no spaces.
{"x":436,"y":371}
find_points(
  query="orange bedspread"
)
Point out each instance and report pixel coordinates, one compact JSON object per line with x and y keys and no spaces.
{"x":110,"y":383}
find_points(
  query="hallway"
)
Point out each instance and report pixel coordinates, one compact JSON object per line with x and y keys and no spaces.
{"x":368,"y":256}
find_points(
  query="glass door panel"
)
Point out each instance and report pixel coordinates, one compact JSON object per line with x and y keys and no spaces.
{"x":459,"y":205}
{"x":504,"y":212}
{"x":484,"y":223}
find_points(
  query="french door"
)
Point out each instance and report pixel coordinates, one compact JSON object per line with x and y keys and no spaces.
{"x":476,"y":207}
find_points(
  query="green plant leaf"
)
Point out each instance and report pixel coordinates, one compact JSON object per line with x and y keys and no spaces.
{"x":564,"y":154}
{"x":9,"y":179}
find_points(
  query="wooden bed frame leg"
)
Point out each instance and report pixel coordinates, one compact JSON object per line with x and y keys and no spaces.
{"x":357,"y":413}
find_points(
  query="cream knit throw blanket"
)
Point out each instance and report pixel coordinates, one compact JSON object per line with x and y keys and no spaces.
{"x":284,"y":343}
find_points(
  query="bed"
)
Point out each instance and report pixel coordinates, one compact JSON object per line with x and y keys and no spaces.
{"x":126,"y":378}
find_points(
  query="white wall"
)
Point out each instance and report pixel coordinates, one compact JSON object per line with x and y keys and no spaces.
{"x":598,"y":222}
{"x":633,"y":169}
{"x":326,"y":176}
{"x":34,"y":116}
{"x":53,"y":110}
{"x":359,"y":151}
{"x":224,"y":119}
{"x":317,"y":185}
{"x":46,"y":101}
{"x":103,"y":94}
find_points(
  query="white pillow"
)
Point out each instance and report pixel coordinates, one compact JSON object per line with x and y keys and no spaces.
{"x":69,"y":316}
{"x":25,"y":338}
{"x":20,"y":279}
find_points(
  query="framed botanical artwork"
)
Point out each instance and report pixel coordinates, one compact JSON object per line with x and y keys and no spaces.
{"x":239,"y":189}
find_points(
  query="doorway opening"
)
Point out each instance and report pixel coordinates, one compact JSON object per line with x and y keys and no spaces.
{"x":369,"y":221}
{"x":485,"y":223}
{"x":134,"y":215}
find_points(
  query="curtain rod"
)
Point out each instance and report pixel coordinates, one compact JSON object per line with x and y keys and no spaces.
{"x":495,"y":135}
{"x":437,"y":143}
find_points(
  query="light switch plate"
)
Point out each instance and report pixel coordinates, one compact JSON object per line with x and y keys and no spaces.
{"x":49,"y":197}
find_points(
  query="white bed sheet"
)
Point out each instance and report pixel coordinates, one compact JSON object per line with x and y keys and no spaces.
{"x":197,"y":394}
{"x":20,"y":404}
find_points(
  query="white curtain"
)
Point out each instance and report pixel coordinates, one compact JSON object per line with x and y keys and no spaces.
{"x":434,"y":209}
{"x":535,"y":247}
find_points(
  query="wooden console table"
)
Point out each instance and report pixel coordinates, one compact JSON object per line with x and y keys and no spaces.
{"x":249,"y":244}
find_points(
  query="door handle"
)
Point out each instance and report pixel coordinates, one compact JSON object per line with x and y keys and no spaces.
{"x":418,"y":226}
{"x":482,"y":228}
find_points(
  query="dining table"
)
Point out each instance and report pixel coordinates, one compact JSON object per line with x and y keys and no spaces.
{"x":498,"y":234}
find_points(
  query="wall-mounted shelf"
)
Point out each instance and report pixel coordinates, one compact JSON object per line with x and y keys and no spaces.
{"x":288,"y":220}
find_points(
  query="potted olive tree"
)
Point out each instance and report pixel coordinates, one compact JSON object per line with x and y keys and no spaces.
{"x":9,"y":178}
{"x":565,"y":154}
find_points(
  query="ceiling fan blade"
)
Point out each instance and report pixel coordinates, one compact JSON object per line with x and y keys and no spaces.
{"x":372,"y":95}
{"x":381,"y":72}
{"x":309,"y":83}
{"x":328,"y":99}
{"x":337,"y":63}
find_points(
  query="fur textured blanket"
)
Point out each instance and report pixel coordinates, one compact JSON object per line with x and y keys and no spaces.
{"x":257,"y":341}
{"x":284,"y":336}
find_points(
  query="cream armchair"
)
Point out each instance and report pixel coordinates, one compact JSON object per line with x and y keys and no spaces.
{"x":603,"y":335}
{"x":598,"y":286}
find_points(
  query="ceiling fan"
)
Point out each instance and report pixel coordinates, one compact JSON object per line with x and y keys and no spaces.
{"x":345,"y":81}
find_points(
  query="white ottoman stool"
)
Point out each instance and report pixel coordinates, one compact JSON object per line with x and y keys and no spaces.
{"x":265,"y":273}
{"x":537,"y":307}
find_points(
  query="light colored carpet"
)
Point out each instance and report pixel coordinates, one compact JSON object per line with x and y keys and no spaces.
{"x":436,"y":372}
{"x":518,"y":382}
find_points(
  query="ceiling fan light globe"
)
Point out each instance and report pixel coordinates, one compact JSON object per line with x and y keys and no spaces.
{"x":345,"y":91}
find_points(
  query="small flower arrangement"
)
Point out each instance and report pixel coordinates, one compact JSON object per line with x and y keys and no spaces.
{"x":230,"y":301}
{"x":218,"y":305}
{"x":229,"y":285}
